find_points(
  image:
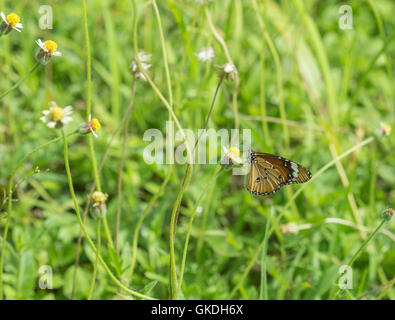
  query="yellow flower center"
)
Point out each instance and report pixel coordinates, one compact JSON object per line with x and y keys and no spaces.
{"x":51,"y":46}
{"x":56,"y":114}
{"x":99,"y":197}
{"x":95,"y":124}
{"x":13,"y":19}
{"x":234,"y":152}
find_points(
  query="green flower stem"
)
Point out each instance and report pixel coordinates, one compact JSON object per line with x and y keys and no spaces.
{"x":89,"y":112}
{"x":356,"y":254}
{"x":184,"y":257}
{"x":162,"y":40}
{"x":168,"y":106}
{"x":228,"y":57}
{"x":98,"y":236}
{"x":9,"y":210}
{"x":92,"y":189}
{"x":140,"y":222}
{"x":176,"y":208}
{"x":175,"y":119}
{"x":77,"y":210}
{"x":16,"y":85}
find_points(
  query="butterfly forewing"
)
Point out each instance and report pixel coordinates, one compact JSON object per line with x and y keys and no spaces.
{"x":268,"y":173}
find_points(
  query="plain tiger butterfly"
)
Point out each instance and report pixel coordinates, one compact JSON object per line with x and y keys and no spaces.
{"x":268,"y":173}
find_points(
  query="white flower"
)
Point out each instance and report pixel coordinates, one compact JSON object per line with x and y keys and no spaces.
{"x":134,"y":67}
{"x":229,"y":67}
{"x":206,"y":54}
{"x":56,"y":116}
{"x":233,"y":155}
{"x":49,"y":47}
{"x":12,"y":20}
{"x":228,"y":71}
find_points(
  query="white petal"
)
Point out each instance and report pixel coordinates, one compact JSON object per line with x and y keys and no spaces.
{"x":94,"y":133}
{"x":57,"y":53}
{"x":66,"y":120}
{"x":68,"y":110}
{"x":17,"y":29}
{"x":51,"y":124}
{"x":41,"y":45}
{"x":44,"y":119}
{"x":52,"y":104}
{"x":4,"y":18}
{"x":229,"y":67}
{"x":46,"y":112}
{"x":19,"y":25}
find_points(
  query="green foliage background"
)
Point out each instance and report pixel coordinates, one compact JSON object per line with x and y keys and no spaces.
{"x":44,"y":228}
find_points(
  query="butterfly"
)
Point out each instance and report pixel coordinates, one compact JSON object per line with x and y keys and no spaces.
{"x":268,"y":173}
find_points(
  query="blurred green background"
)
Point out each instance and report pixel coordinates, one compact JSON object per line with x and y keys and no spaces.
{"x":336,"y":85}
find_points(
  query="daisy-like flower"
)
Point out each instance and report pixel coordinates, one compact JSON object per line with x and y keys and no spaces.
{"x":9,"y":23}
{"x":55,"y":116}
{"x":232,"y":155}
{"x":99,"y":204}
{"x":134,"y":67}
{"x":228,"y":71}
{"x":91,"y":126}
{"x":48,"y":49}
{"x":206,"y":54}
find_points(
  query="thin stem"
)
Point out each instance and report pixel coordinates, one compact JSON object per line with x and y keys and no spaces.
{"x":77,"y":210}
{"x":228,"y":57}
{"x":154,"y":87}
{"x":184,"y":257}
{"x":88,"y":61}
{"x":16,"y":85}
{"x":185,"y":183}
{"x":121,"y":165}
{"x":356,"y":254}
{"x":88,"y":114}
{"x":9,"y":210}
{"x":277,"y":64}
{"x":105,"y":155}
{"x":164,"y":52}
{"x":98,"y":237}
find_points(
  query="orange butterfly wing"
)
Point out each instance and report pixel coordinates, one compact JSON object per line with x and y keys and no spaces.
{"x":268,"y":173}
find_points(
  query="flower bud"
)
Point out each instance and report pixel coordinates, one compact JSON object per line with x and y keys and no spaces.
{"x":388,"y":214}
{"x":99,"y":208}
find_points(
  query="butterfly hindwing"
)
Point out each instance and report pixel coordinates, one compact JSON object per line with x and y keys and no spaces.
{"x":268,"y":173}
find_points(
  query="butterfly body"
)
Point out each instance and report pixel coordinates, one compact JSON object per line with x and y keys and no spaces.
{"x":268,"y":173}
